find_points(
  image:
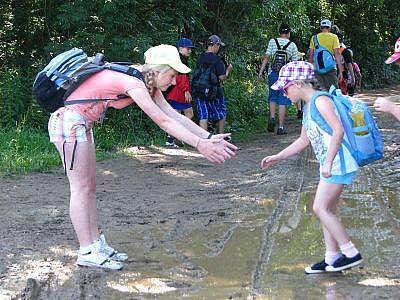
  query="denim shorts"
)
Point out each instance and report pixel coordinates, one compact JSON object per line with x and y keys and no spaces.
{"x":211,"y":110}
{"x":276,"y":96}
{"x":340,"y":179}
{"x":66,"y":125}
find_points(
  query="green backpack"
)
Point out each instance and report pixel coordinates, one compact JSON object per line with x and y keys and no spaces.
{"x":280,"y":57}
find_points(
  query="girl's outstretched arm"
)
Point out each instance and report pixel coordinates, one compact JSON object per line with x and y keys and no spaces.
{"x":294,"y":148}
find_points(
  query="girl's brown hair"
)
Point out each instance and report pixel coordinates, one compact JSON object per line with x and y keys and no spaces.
{"x":313,"y":83}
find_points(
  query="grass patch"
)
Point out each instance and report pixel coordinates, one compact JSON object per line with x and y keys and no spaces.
{"x":26,"y":150}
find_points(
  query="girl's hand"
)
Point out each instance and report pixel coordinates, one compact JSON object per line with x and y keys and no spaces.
{"x":216,"y":150}
{"x":188,"y":97}
{"x":326,"y":170}
{"x":220,"y":136}
{"x":270,"y":160}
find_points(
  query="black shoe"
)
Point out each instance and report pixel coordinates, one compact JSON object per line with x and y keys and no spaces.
{"x":271,"y":125}
{"x":281,"y":131}
{"x":316,"y":268}
{"x":299,"y":114}
{"x":343,"y":263}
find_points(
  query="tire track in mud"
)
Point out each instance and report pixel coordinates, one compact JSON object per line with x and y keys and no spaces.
{"x":286,"y":205}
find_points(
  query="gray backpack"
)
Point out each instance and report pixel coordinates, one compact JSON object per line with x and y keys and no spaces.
{"x":67,"y":71}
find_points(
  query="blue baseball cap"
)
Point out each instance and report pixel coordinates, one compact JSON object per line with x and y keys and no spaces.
{"x":185,"y":42}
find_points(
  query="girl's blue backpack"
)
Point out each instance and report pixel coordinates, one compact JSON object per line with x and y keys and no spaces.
{"x":365,"y":148}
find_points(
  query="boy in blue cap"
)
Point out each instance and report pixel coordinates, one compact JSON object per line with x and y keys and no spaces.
{"x":179,"y":96}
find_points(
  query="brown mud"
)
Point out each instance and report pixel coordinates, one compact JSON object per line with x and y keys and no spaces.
{"x":198,"y":231}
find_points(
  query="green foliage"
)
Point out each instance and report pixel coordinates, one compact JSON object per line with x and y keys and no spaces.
{"x":129,"y":126}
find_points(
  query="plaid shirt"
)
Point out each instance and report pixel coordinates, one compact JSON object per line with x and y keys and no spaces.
{"x":291,"y":50}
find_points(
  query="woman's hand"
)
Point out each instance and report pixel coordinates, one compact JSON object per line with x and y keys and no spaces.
{"x":383,"y":104}
{"x":216,"y":150}
{"x":268,"y":161}
{"x":326,"y":170}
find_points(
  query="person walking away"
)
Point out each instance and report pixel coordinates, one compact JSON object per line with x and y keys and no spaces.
{"x":382,"y":103}
{"x":330,"y":42}
{"x":179,"y":96}
{"x":279,"y":52}
{"x":211,"y":107}
{"x":296,"y":80}
{"x":70,"y":130}
{"x":348,"y":79}
{"x":357,"y":76}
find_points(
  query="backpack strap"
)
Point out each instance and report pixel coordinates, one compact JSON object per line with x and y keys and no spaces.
{"x":125,"y":70}
{"x":277,"y":44}
{"x":316,"y":115}
{"x":317,"y":118}
{"x":287,"y":45}
{"x":316,"y":44}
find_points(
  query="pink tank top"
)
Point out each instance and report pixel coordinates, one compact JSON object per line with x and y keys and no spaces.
{"x":103,"y":85}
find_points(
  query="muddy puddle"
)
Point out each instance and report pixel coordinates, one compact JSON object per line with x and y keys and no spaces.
{"x":197,"y":231}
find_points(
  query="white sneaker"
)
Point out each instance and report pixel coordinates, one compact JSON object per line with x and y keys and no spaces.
{"x":171,"y":145}
{"x":110,"y":251}
{"x":99,"y":260}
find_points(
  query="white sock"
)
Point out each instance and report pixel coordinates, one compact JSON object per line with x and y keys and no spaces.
{"x":349,"y":250}
{"x":331,"y":256}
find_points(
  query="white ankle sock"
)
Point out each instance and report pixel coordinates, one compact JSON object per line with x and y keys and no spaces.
{"x":331,"y":256}
{"x":349,"y":250}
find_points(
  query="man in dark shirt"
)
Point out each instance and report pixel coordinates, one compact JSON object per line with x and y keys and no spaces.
{"x":216,"y":109}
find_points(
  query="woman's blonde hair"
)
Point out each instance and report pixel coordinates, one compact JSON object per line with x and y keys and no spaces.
{"x":149,"y":79}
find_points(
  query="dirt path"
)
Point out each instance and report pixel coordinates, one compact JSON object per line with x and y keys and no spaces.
{"x":198,"y":231}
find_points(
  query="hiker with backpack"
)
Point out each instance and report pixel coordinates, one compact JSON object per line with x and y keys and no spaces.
{"x":206,"y":85}
{"x":279,"y":52}
{"x":70,"y":130}
{"x":382,"y":103}
{"x":179,"y":96}
{"x":338,"y":149}
{"x":348,"y":81}
{"x":325,"y":54}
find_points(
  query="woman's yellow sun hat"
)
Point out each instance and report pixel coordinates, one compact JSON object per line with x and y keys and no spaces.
{"x":165,"y":55}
